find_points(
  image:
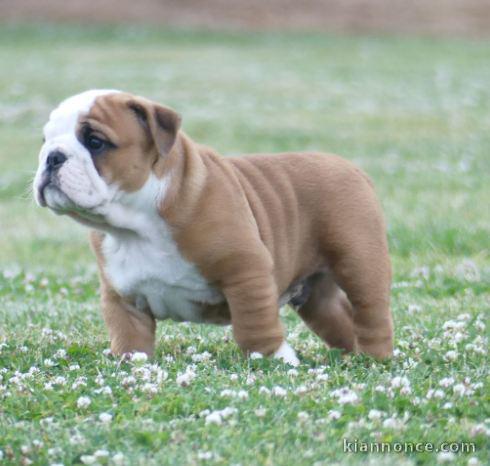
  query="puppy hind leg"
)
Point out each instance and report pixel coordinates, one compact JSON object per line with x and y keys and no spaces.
{"x":328,"y":312}
{"x":364,"y":274}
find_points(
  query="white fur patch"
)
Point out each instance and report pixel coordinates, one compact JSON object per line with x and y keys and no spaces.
{"x":145,"y":263}
{"x":287,"y":354}
{"x":77,"y":183}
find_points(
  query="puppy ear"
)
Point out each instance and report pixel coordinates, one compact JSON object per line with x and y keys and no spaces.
{"x":162,"y":123}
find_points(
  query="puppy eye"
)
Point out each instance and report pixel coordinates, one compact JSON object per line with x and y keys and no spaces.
{"x":94,"y":143}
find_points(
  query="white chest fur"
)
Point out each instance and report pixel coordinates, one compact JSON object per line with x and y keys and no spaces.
{"x":152,"y":271}
{"x":142,"y":261}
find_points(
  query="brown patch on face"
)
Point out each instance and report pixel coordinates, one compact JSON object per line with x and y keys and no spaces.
{"x":139,"y":133}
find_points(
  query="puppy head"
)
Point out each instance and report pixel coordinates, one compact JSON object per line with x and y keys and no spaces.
{"x":100,"y":147}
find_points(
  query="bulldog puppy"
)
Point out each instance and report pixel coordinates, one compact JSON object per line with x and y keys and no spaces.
{"x":182,"y":233}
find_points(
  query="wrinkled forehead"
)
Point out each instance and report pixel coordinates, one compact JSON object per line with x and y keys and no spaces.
{"x":64,"y":118}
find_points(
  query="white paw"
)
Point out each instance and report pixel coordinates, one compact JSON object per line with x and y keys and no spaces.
{"x":287,"y":354}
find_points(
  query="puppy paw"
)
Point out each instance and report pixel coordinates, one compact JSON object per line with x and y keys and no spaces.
{"x":287,"y":354}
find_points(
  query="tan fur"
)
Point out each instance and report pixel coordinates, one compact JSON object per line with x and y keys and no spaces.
{"x":254,"y":226}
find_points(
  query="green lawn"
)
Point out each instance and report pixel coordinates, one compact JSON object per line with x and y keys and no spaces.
{"x":414,"y":113}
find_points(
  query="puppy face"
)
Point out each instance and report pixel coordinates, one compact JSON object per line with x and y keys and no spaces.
{"x":99,"y":147}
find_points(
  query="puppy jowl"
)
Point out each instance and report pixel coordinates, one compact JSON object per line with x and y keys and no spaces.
{"x":181,"y":232}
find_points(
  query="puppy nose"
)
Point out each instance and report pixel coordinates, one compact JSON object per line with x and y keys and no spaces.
{"x":55,"y":160}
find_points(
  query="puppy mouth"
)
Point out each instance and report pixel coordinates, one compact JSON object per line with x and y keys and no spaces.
{"x":49,"y":181}
{"x":45,"y":181}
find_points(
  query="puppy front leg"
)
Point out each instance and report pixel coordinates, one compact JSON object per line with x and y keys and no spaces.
{"x":254,"y":310}
{"x":130,"y":330}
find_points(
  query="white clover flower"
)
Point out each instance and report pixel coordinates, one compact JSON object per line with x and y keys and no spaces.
{"x":445,"y":457}
{"x":201,"y":357}
{"x":48,"y":386}
{"x":186,"y":378}
{"x":118,"y":459}
{"x":127,"y":381}
{"x":204,"y":455}
{"x":139,"y":357}
{"x":303,"y":416}
{"x":453,"y":325}
{"x":88,"y":459}
{"x":437,"y":393}
{"x":150,"y":388}
{"x":375,"y":415}
{"x":333,"y":415}
{"x":479,"y":325}
{"x":227,"y":393}
{"x":77,"y":439}
{"x":79,"y":382}
{"x":25,"y":449}
{"x":473,"y":461}
{"x":398,"y":382}
{"x":234,"y":377}
{"x":451,"y":356}
{"x":37,"y":443}
{"x":214,"y":418}
{"x":260,"y":412}
{"x":279,"y":391}
{"x":322,"y":377}
{"x":467,"y":270}
{"x":380,"y":389}
{"x":105,"y":390}
{"x":264,"y":391}
{"x":421,"y":272}
{"x":242,"y":395}
{"x":83,"y":402}
{"x":480,"y":429}
{"x":256,"y":355}
{"x":446,"y":382}
{"x":292,"y":373}
{"x":49,"y":362}
{"x":460,"y":389}
{"x":301,"y":390}
{"x":28,"y":289}
{"x":250,"y":379}
{"x":413,"y":308}
{"x":227,"y":412}
{"x":392,"y":423}
{"x":10,"y":273}
{"x":99,"y":454}
{"x":345,"y":395}
{"x":73,"y":367}
{"x":105,"y":418}
{"x":46,"y":421}
{"x":59,"y":380}
{"x":99,"y":380}
{"x":60,"y":354}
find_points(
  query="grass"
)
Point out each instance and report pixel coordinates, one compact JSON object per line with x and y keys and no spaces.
{"x":414,"y":113}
